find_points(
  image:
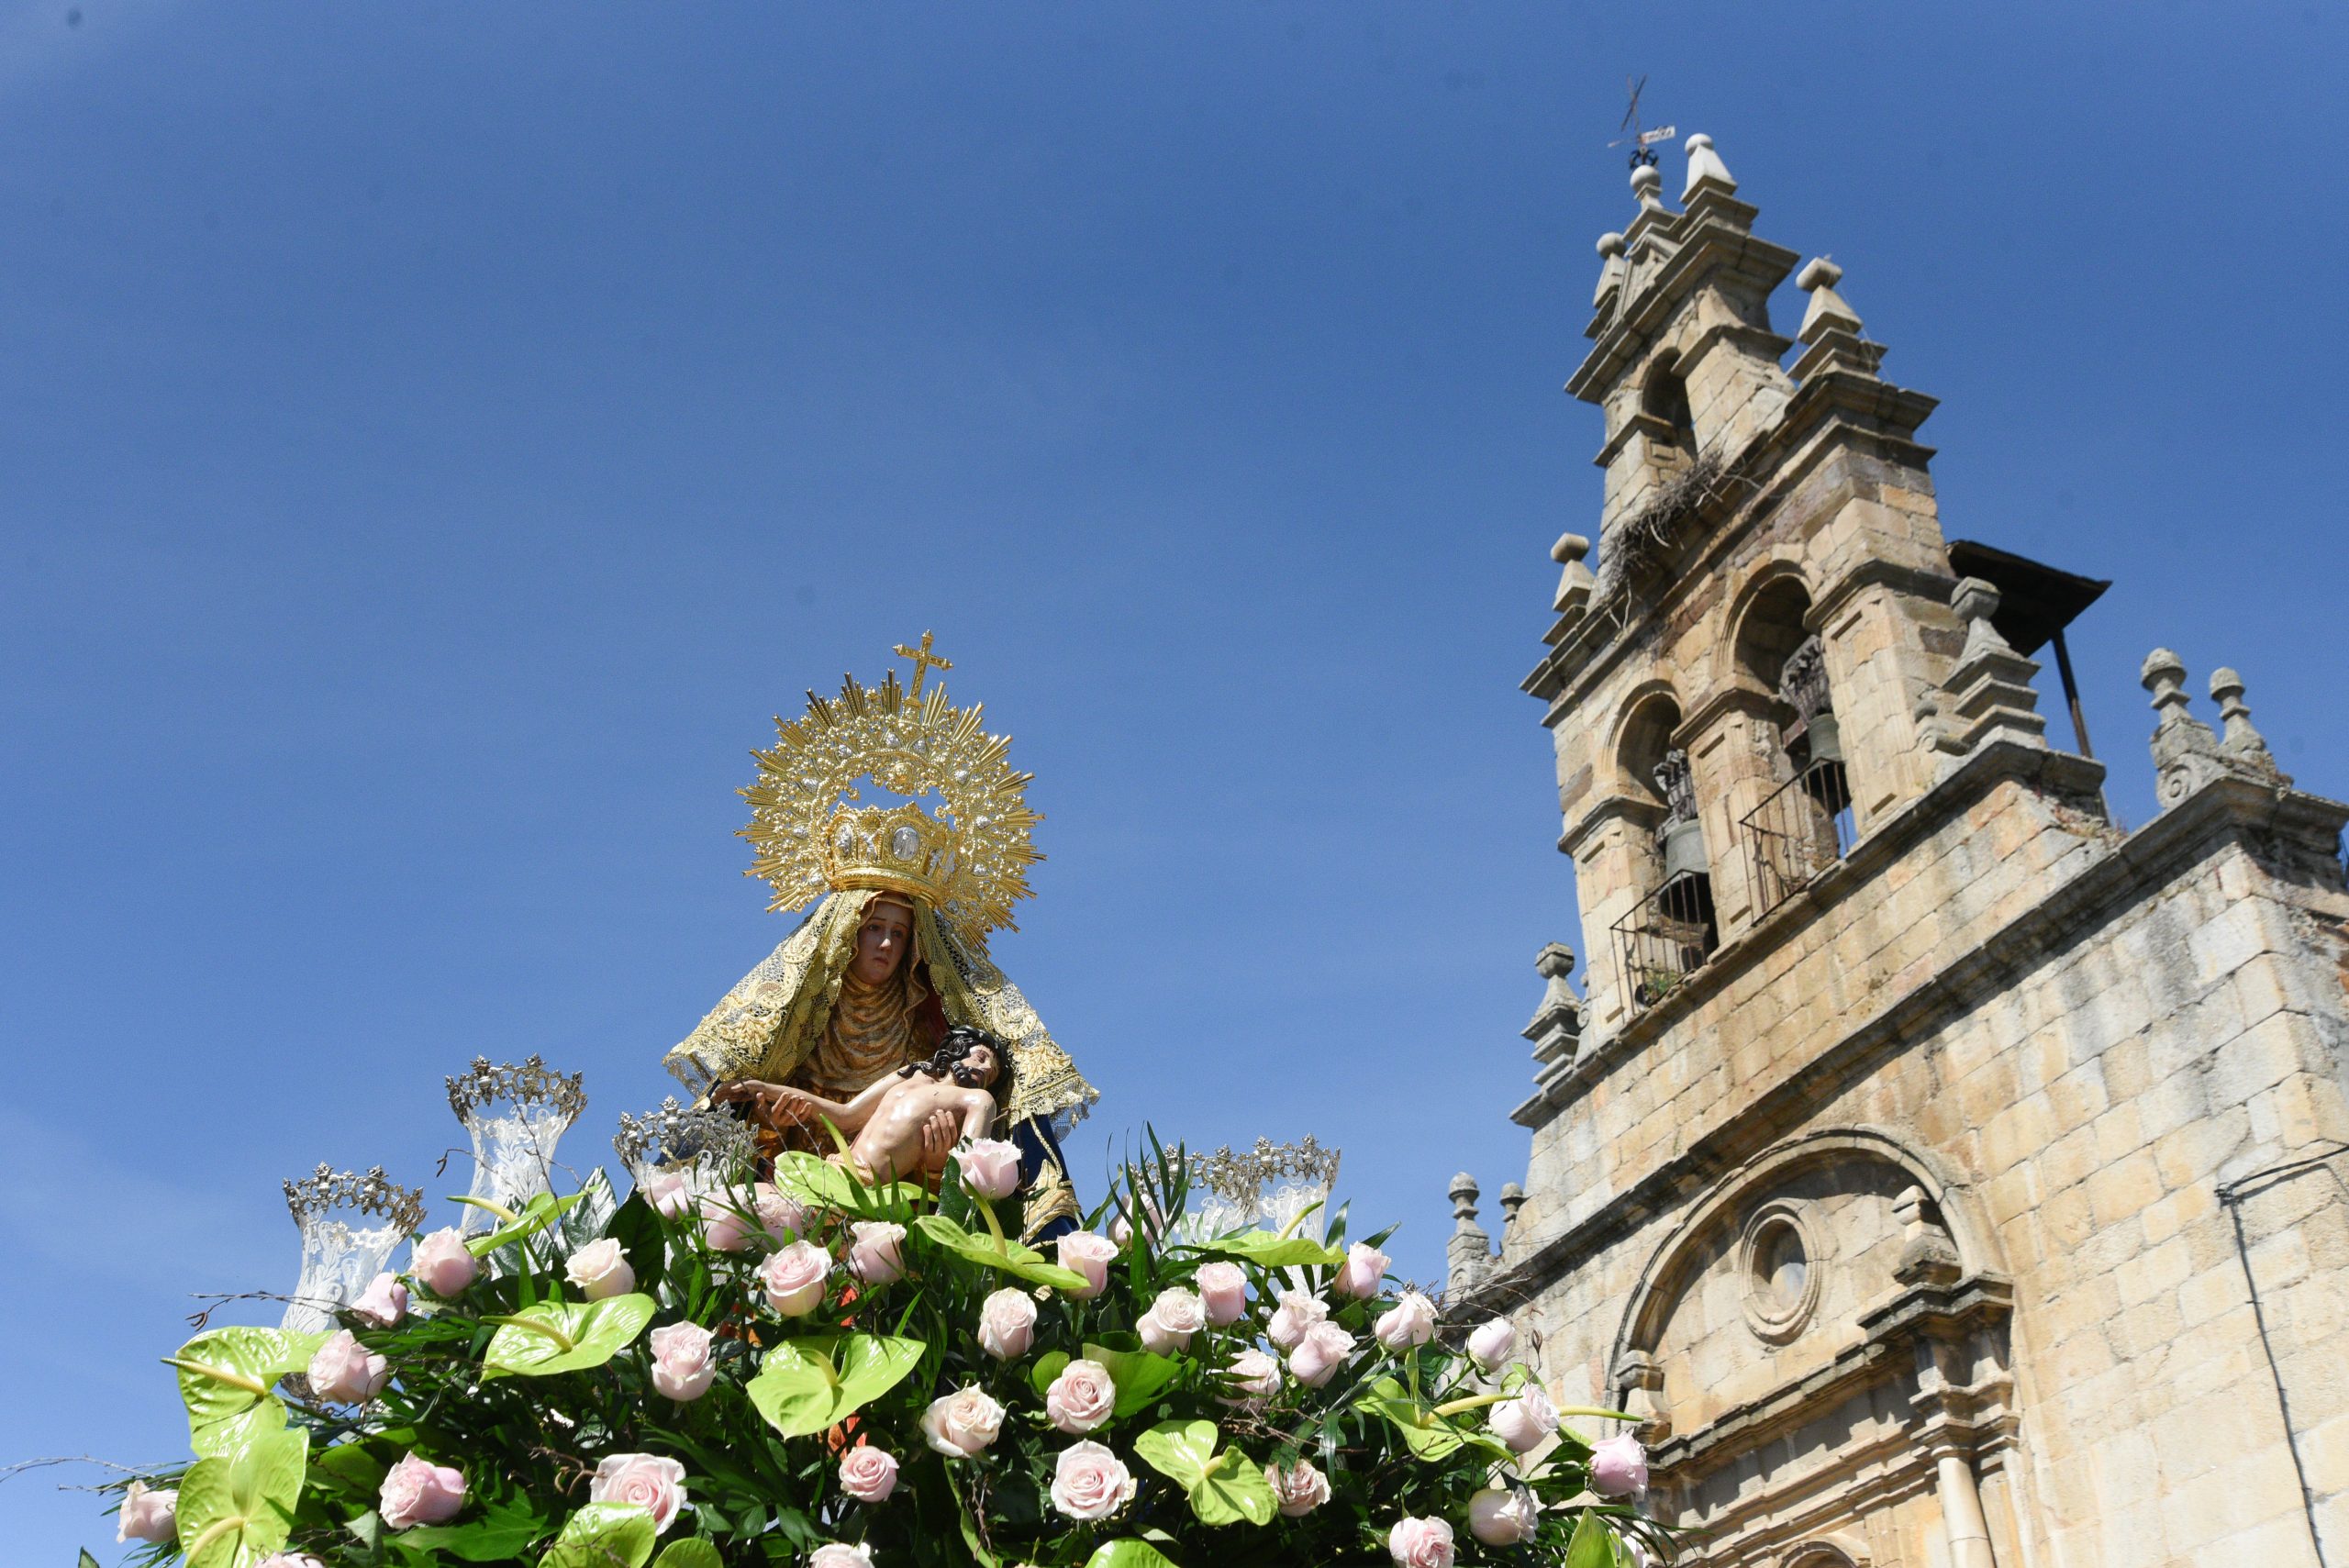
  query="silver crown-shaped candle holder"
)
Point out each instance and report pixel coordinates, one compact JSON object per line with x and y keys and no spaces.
{"x":515,"y":1115}
{"x":705,"y":1143}
{"x":1270,"y":1185}
{"x":342,"y":1251}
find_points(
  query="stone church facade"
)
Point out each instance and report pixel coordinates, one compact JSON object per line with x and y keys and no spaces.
{"x":1943,"y":1175}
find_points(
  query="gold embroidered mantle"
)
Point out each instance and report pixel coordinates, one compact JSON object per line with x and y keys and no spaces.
{"x":771,"y":1022}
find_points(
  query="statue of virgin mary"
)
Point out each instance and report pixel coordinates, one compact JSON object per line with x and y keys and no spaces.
{"x":905,"y":893}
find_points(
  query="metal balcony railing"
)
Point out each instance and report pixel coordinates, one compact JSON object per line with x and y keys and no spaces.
{"x":1665,"y":939}
{"x":1802,"y":830}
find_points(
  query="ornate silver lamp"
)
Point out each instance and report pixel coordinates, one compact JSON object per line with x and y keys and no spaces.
{"x":708,"y":1145}
{"x":1270,"y":1185}
{"x":340,"y":1251}
{"x":515,"y":1116}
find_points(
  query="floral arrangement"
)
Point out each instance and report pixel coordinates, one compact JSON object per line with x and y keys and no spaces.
{"x":808,"y":1370}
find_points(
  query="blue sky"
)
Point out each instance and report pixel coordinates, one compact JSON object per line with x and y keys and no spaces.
{"x":438,"y":437}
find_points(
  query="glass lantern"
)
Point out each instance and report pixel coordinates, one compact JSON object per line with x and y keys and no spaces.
{"x":350,"y":1225}
{"x":515,"y":1116}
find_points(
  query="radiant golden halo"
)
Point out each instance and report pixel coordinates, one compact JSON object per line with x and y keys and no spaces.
{"x":968,"y":859}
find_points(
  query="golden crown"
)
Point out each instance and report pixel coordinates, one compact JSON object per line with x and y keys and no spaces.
{"x":968,"y":861}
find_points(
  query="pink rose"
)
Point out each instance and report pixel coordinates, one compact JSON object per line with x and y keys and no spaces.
{"x":1618,"y":1466}
{"x":1524,"y":1422}
{"x":990,"y":1167}
{"x":1503,"y":1517}
{"x":1363,"y":1271}
{"x":682,"y":1366}
{"x":877,"y":1254}
{"x":291,"y":1560}
{"x":1085,"y":1253}
{"x":795,"y":1278}
{"x":1319,"y":1354}
{"x":1255,"y":1375}
{"x":419,"y":1492}
{"x":1121,"y":1230}
{"x":1081,"y":1398}
{"x":780,"y":1213}
{"x":1490,"y":1345}
{"x":441,"y":1264}
{"x":344,"y":1372}
{"x":1420,"y":1543}
{"x":147,"y":1516}
{"x":963,"y":1423}
{"x":1172,"y":1318}
{"x":383,"y":1302}
{"x":1410,"y":1321}
{"x":670,"y":1195}
{"x":1090,"y":1483}
{"x":647,"y":1480}
{"x":835,"y":1555}
{"x":600,"y":1271}
{"x":1299,"y":1491}
{"x":726,"y":1223}
{"x":1007,"y":1324}
{"x":867,"y":1474}
{"x":1223,"y":1291}
{"x":1297,"y":1313}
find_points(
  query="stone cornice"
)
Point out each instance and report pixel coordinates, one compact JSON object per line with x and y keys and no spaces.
{"x":2228,"y":808}
{"x":1705,"y":247}
{"x":1614,"y":808}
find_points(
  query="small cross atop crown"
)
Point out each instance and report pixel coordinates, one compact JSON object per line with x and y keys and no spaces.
{"x":924,"y":660}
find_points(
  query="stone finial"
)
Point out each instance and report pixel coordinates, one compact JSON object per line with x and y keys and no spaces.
{"x":1987,"y":695}
{"x":1706,"y":169}
{"x":2244,"y":746}
{"x":1512,"y":1202}
{"x":1468,"y":1256}
{"x":1575,"y":581}
{"x":1647,"y":185}
{"x":1831,"y":327}
{"x":1928,"y":1256}
{"x":1556,"y":1028}
{"x":1827,"y":309}
{"x":2186,"y":753}
{"x":1610,"y":272}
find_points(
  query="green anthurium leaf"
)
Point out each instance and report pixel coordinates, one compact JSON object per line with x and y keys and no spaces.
{"x":1139,"y":1374}
{"x":1009,"y":1256}
{"x":1180,"y":1450}
{"x":565,"y":1336}
{"x":85,"y":1560}
{"x":1425,"y":1434}
{"x":536,"y":1215}
{"x":1129,"y":1553}
{"x":1047,"y":1367}
{"x":604,"y":1535}
{"x":802,"y":1388}
{"x":1269,"y":1251}
{"x":226,"y":1376}
{"x":1593,"y":1546}
{"x":233,"y":1512}
{"x":820,"y":1183}
{"x":1234,"y":1489}
{"x":694,"y":1553}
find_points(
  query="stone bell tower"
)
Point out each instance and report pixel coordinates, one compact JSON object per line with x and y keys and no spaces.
{"x":1940,"y":1174}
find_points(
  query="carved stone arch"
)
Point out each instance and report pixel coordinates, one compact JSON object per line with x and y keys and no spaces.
{"x":1837,"y":1550}
{"x":1781,"y":567}
{"x":1629,"y":732}
{"x":1665,"y":1273}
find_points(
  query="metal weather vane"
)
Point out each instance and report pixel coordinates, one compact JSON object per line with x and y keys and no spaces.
{"x":1642,"y":144}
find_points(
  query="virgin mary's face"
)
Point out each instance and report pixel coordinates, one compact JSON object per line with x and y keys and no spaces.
{"x":882,"y":941}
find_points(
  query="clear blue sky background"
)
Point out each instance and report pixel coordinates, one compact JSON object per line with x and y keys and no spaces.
{"x":436,"y":439}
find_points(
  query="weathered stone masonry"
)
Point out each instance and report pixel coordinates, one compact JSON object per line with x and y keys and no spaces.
{"x":1940,"y":1175}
